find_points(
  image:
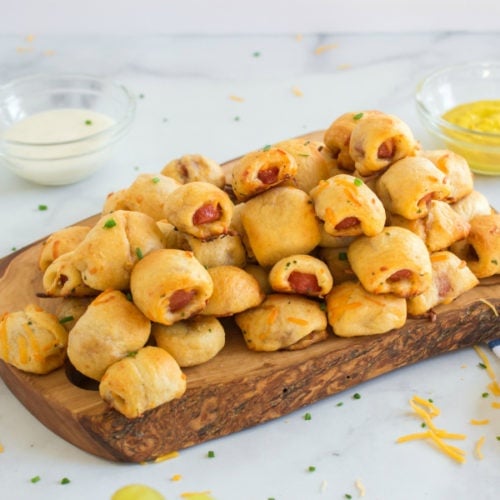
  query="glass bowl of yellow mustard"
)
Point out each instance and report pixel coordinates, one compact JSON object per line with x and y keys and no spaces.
{"x":460,"y":107}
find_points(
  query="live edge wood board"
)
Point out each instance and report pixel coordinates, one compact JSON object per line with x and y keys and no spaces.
{"x":238,"y":388}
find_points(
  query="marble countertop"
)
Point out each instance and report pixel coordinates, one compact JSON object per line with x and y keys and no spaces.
{"x":286,"y":87}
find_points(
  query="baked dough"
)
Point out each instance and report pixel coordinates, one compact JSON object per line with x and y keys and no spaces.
{"x":147,"y":194}
{"x":280,"y":222}
{"x":394,"y":261}
{"x":112,"y":247}
{"x":378,"y":140}
{"x":227,"y":250}
{"x":32,"y":340}
{"x":302,"y":274}
{"x":481,"y":248}
{"x":280,"y":322}
{"x":61,"y":242}
{"x":338,"y":263}
{"x":261,"y":170}
{"x":169,"y":285}
{"x":313,"y":165}
{"x":457,"y":171}
{"x":199,"y":209}
{"x":111,"y":328}
{"x":193,"y":341}
{"x":450,"y":278}
{"x":235,"y":290}
{"x":473,"y":204}
{"x":441,"y":227}
{"x":143,"y":381}
{"x":348,"y":207}
{"x":352,"y":311}
{"x":408,"y":186}
{"x":194,"y":168}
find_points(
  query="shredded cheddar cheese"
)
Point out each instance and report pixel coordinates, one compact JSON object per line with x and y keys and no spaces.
{"x":176,"y":477}
{"x":361,"y":488}
{"x":486,"y":362}
{"x":426,"y":410}
{"x":485,"y":421}
{"x":168,"y":456}
{"x":494,"y":388}
{"x":236,"y":98}
{"x":478,"y":448}
{"x":297,"y":321}
{"x":495,"y":405}
{"x":296,"y":91}
{"x":2,"y":449}
{"x":490,"y":305}
{"x":323,"y":48}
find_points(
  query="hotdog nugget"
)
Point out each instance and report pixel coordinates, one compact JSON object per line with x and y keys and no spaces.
{"x":450,"y":278}
{"x":481,"y":248}
{"x":408,"y":186}
{"x":227,"y":249}
{"x":378,"y":140}
{"x":352,"y":311}
{"x":193,"y":341}
{"x":281,"y":322}
{"x":200,"y":209}
{"x":280,"y":222}
{"x":32,"y":340}
{"x":348,"y":207}
{"x":195,"y":168}
{"x":142,"y":381}
{"x":393,"y":261}
{"x":61,"y":242}
{"x":169,"y":285}
{"x":302,"y":274}
{"x":261,"y":170}
{"x":234,"y":291}
{"x":110,"y":329}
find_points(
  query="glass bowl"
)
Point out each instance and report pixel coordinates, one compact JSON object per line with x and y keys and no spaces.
{"x":59,"y":129}
{"x":447,"y":88}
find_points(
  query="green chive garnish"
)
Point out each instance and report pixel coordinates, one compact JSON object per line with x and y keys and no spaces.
{"x":35,"y":479}
{"x":211,"y":454}
{"x":42,"y":207}
{"x":139,"y":253}
{"x":65,"y":480}
{"x":358,"y":182}
{"x":66,"y":319}
{"x":88,"y":122}
{"x":307,"y":416}
{"x":110,"y":223}
{"x":267,"y":147}
{"x":358,"y":116}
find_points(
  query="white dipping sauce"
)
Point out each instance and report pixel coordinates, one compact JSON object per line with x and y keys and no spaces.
{"x":58,"y":146}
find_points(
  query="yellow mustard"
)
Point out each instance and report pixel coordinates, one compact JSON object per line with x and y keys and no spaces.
{"x":481,"y":151}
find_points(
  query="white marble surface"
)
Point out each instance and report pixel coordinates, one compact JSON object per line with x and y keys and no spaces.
{"x":183,"y":86}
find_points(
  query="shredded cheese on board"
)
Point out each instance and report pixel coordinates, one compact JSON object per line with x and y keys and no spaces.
{"x":478,"y":448}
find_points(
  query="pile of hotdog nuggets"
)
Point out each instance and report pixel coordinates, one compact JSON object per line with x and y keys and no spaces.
{"x":347,"y":236}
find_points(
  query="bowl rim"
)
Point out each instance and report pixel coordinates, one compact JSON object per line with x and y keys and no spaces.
{"x":114,"y":131}
{"x":438,"y":123}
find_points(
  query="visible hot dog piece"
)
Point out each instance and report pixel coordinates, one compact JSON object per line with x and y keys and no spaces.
{"x":207,"y":213}
{"x":304,"y":282}
{"x":180,"y":299}
{"x":268,"y":175}
{"x":386,"y":149}
{"x":402,"y":274}
{"x":347,"y":223}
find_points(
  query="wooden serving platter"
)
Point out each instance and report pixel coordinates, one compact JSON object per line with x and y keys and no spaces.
{"x":238,"y":388}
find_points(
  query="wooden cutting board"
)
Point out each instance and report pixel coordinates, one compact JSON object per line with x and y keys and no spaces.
{"x":238,"y":388}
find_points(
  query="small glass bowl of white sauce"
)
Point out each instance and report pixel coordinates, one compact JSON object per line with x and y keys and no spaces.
{"x":59,"y":129}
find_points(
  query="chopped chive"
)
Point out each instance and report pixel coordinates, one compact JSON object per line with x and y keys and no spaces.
{"x":358,"y":116}
{"x":132,"y":354}
{"x":423,"y":424}
{"x":65,"y":480}
{"x":66,"y":319}
{"x":110,"y":223}
{"x":342,"y":255}
{"x":256,"y":53}
{"x":347,"y":496}
{"x":139,"y":253}
{"x":155,"y":180}
{"x":358,"y":182}
{"x":311,"y":468}
{"x":236,"y":118}
{"x":35,"y":479}
{"x":42,"y":208}
{"x":267,"y":147}
{"x":356,"y":395}
{"x":482,"y":365}
{"x":498,"y":438}
{"x":339,"y":403}
{"x":88,"y":122}
{"x":307,"y":416}
{"x":494,"y":261}
{"x":211,"y":454}
{"x":484,"y":394}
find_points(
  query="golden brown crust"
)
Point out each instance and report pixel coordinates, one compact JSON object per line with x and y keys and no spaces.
{"x":409,"y":184}
{"x":262,"y":170}
{"x":169,"y":285}
{"x":142,"y":382}
{"x":473,"y":204}
{"x":32,"y":340}
{"x":225,"y":250}
{"x":235,"y":290}
{"x":111,"y":328}
{"x":195,"y":168}
{"x":394,"y":261}
{"x":348,"y":207}
{"x":352,"y":311}
{"x":280,"y":321}
{"x":274,"y":232}
{"x":199,"y":209}
{"x":191,"y":342}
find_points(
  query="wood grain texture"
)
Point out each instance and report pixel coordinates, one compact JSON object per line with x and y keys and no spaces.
{"x":238,"y":388}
